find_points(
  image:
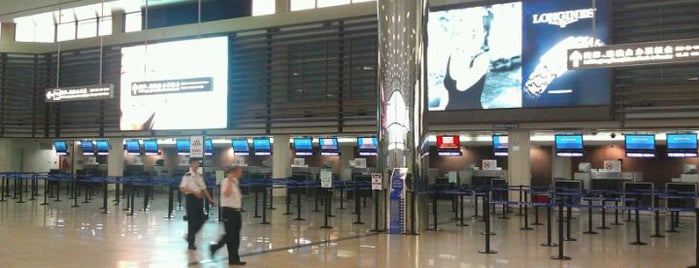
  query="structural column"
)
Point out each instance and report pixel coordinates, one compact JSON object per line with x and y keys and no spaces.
{"x":115,"y":160}
{"x":401,"y":101}
{"x":519,"y":160}
{"x":281,"y":161}
{"x":561,"y":167}
{"x":281,"y":6}
{"x":7,"y":31}
{"x":118,"y":20}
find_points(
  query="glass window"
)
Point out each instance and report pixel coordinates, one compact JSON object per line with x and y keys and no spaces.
{"x":65,"y":31}
{"x":105,"y":26}
{"x":133,"y":22}
{"x":87,"y":28}
{"x":37,"y":28}
{"x":330,"y":3}
{"x":302,"y":4}
{"x":263,"y":7}
{"x":362,"y":1}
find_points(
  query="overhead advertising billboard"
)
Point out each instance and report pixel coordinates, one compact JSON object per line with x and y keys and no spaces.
{"x":514,"y":55}
{"x":175,"y":85}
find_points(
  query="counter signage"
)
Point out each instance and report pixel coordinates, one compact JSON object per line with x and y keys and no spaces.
{"x":662,"y":52}
{"x":326,"y":179}
{"x":196,"y":147}
{"x":81,"y":93}
{"x":376,"y":181}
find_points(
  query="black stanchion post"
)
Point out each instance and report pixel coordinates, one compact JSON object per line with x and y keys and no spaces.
{"x":171,"y":201}
{"x":672,"y":223}
{"x":549,"y":223}
{"x":105,"y":197}
{"x":560,"y":255}
{"x":117,"y":193}
{"x":264,"y":203}
{"x":526,"y":213}
{"x":298,"y":203}
{"x":656,"y":222}
{"x":271,"y":196}
{"x":536,"y":215}
{"x":589,"y":218}
{"x":434,"y":209}
{"x":74,"y":192}
{"x":2,"y":190}
{"x":21,"y":195}
{"x":87,"y":194}
{"x":47,"y":189}
{"x":357,"y":206}
{"x":475,"y":204}
{"x":569,"y":215}
{"x":257,"y":202}
{"x":342,"y":197}
{"x":58,"y":192}
{"x":327,"y":211}
{"x":604,"y":214}
{"x":520,"y":208}
{"x":376,"y":211}
{"x":616,"y":213}
{"x":288,"y":200}
{"x":486,"y":217}
{"x":179,"y":200}
{"x":315,"y":197}
{"x":461,"y":208}
{"x":638,"y":226}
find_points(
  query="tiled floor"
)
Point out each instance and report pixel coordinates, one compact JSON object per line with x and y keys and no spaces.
{"x":60,"y":236}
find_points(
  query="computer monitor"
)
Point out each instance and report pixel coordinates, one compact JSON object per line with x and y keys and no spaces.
{"x":682,"y":145}
{"x":133,"y":147}
{"x":241,"y":147}
{"x":102,"y":147}
{"x":329,"y":146}
{"x":639,"y":145}
{"x":569,"y":145}
{"x":303,"y":146}
{"x":61,"y":147}
{"x":88,"y":147}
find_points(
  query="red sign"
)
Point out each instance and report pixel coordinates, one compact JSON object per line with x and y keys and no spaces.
{"x":451,"y":142}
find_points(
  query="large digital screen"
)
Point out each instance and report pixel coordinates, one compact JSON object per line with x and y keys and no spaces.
{"x":133,"y":147}
{"x":262,"y":146}
{"x":368,"y":146}
{"x":449,"y":145}
{"x":150,"y":147}
{"x":569,"y":145}
{"x":639,"y":145}
{"x":500,"y":145}
{"x":88,"y":147}
{"x":102,"y":147}
{"x":303,"y":146}
{"x":175,"y":85}
{"x":329,"y":146}
{"x":682,"y":145}
{"x":241,"y":147}
{"x":61,"y":147}
{"x":514,"y":55}
{"x":183,"y":146}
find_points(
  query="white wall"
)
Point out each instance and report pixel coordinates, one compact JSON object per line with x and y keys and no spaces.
{"x":35,"y":158}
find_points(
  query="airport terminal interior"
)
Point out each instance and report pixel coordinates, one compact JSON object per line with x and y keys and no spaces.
{"x":370,"y":133}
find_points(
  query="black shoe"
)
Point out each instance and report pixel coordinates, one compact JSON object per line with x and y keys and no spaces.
{"x":237,"y":263}
{"x":191,"y":247}
{"x":213,"y":248}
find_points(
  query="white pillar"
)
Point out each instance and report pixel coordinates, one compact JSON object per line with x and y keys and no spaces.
{"x":8,"y":31}
{"x":561,"y":167}
{"x":115,"y":160}
{"x":10,"y":156}
{"x":347,"y":155}
{"x":281,"y":164}
{"x":519,"y":160}
{"x":282,"y":6}
{"x":118,"y":21}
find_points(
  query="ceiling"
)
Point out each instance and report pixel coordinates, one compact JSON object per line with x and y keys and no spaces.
{"x":10,"y":9}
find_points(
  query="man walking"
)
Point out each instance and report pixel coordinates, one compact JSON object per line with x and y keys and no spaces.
{"x":194,"y":188}
{"x":231,"y":203}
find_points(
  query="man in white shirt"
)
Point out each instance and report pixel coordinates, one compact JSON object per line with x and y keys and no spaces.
{"x":231,"y":203}
{"x":193,"y":186}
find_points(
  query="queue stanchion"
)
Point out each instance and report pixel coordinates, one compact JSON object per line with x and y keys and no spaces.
{"x":526,"y":213}
{"x":2,"y":190}
{"x":696,"y":239}
{"x":475,"y":204}
{"x":326,"y":211}
{"x":105,"y":196}
{"x":355,"y":195}
{"x":656,"y":221}
{"x":287,"y":198}
{"x":85,"y":186}
{"x":411,"y":206}
{"x":257,"y":201}
{"x":376,"y":211}
{"x":461,"y":209}
{"x":342,"y":197}
{"x":264,"y":203}
{"x":329,"y":202}
{"x":560,"y":255}
{"x":455,"y":205}
{"x":271,"y":195}
{"x":117,"y":192}
{"x":549,"y":223}
{"x":171,"y":201}
{"x":604,"y":214}
{"x":47,"y":189}
{"x":536,"y":212}
{"x":589,"y":218}
{"x":486,"y":217}
{"x":298,"y":203}
{"x":638,"y":241}
{"x":14,"y":187}
{"x":33,"y":188}
{"x":520,"y":209}
{"x":179,"y":200}
{"x":315,"y":199}
{"x":74,"y":192}
{"x":21,"y":195}
{"x":358,"y":209}
{"x":569,"y":215}
{"x":616,"y":213}
{"x":434,"y":209}
{"x":58,"y":191}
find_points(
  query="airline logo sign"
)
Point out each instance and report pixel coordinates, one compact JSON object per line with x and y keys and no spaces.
{"x":196,"y":147}
{"x":663,"y":52}
{"x":80,"y":93}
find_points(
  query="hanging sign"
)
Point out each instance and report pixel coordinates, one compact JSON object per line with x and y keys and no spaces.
{"x":80,"y":93}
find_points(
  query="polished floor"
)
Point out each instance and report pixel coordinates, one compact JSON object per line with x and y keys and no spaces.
{"x":58,"y":235}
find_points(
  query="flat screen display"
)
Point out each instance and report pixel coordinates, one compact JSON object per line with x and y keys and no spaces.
{"x":639,"y":145}
{"x":241,"y":147}
{"x":183,"y":146}
{"x":449,"y":145}
{"x":682,"y":145}
{"x":102,"y":147}
{"x":514,"y":55}
{"x":303,"y":146}
{"x":88,"y":147}
{"x":569,"y":145}
{"x":133,"y":147}
{"x":262,"y":146}
{"x":175,"y":85}
{"x":150,"y":147}
{"x":500,"y":145}
{"x":208,"y":147}
{"x":368,"y":146}
{"x":61,"y":147}
{"x":329,"y":146}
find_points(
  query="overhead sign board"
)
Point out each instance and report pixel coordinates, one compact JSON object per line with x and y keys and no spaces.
{"x":80,"y":93}
{"x":662,"y":52}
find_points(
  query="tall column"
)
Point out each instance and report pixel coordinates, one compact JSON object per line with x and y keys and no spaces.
{"x":282,"y":6}
{"x":10,"y":156}
{"x":402,"y":106}
{"x":118,"y":21}
{"x":281,"y":163}
{"x":561,"y":167}
{"x":7,"y":31}
{"x":347,"y":155}
{"x":519,"y":160}
{"x":115,"y":160}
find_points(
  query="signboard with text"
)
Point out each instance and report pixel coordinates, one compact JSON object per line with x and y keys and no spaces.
{"x":80,"y":93}
{"x":196,"y":147}
{"x":663,"y":52}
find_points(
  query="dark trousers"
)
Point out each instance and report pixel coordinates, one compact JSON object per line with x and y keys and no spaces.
{"x":195,"y":216}
{"x":232,"y":223}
